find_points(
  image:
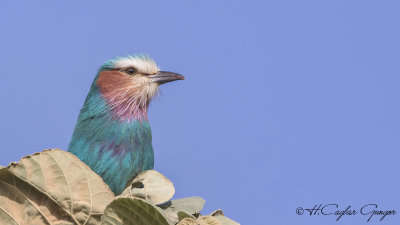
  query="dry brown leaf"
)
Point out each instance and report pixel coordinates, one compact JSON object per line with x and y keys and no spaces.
{"x":151,"y":186}
{"x":52,"y":187}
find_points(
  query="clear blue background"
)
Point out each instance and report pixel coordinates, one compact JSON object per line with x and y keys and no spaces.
{"x":286,"y":103}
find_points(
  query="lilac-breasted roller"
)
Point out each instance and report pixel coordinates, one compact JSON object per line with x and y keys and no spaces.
{"x":113,"y":135}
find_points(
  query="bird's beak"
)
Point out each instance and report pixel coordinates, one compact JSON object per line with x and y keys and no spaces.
{"x":163,"y":77}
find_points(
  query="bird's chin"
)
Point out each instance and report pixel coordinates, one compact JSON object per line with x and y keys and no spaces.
{"x":150,"y":90}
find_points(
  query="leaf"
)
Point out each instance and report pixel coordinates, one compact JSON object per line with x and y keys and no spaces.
{"x":202,"y":220}
{"x":191,"y":205}
{"x":151,"y":186}
{"x":188,"y":221}
{"x":209,"y":220}
{"x":51,"y":187}
{"x":225,"y":220}
{"x":127,"y":210}
{"x":183,"y":214}
{"x":217,"y":212}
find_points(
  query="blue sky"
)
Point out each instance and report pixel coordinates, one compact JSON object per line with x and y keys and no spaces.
{"x":286,"y":104}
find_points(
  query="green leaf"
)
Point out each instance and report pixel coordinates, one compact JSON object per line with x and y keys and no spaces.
{"x":151,"y":186}
{"x":127,"y":210}
{"x":51,"y":187}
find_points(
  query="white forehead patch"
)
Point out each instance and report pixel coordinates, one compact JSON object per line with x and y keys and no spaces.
{"x":142,"y":63}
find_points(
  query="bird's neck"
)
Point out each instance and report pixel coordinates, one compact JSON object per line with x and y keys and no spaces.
{"x":128,"y":111}
{"x":116,"y":150}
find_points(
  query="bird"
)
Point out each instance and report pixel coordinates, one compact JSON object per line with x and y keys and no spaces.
{"x":113,"y":135}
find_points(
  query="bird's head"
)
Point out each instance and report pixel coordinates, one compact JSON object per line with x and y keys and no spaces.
{"x":129,"y":83}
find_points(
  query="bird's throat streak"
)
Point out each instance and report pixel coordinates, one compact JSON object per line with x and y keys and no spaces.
{"x":124,"y":95}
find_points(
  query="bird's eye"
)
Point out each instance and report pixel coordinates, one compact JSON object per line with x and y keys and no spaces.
{"x":130,"y":70}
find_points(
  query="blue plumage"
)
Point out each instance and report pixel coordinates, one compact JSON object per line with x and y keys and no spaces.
{"x":113,"y":135}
